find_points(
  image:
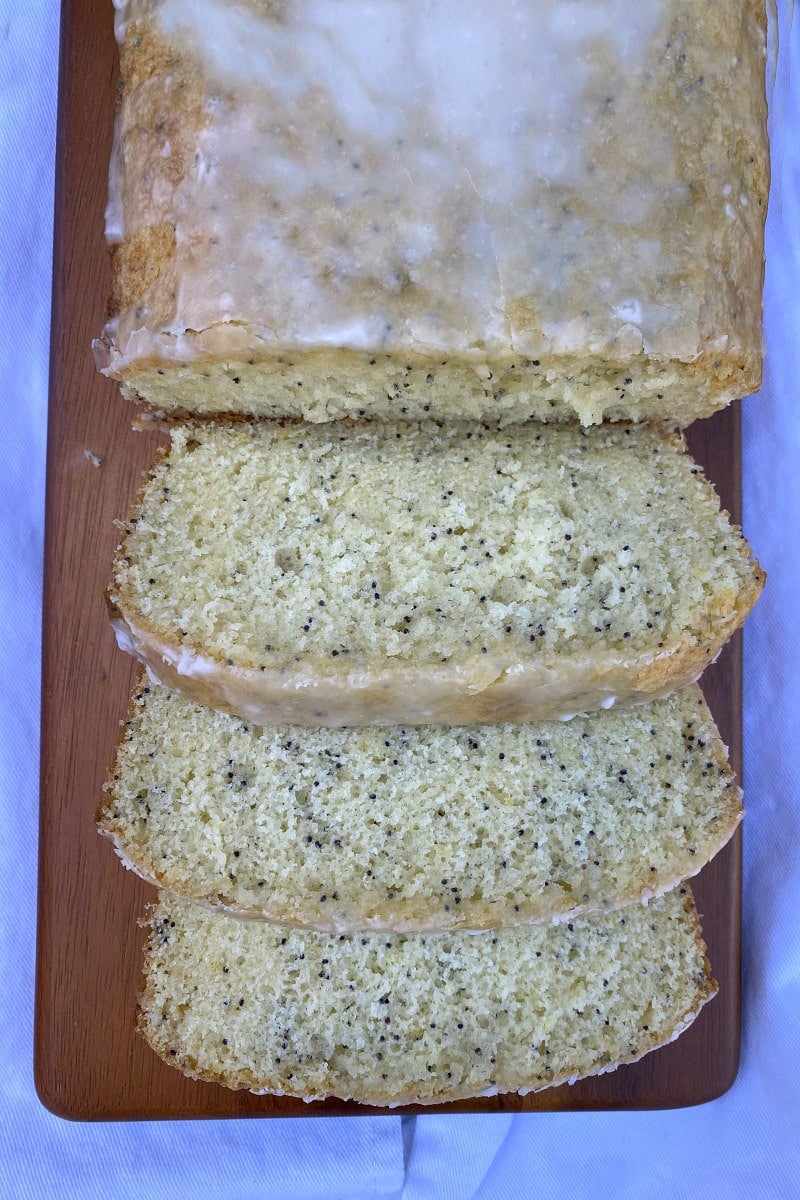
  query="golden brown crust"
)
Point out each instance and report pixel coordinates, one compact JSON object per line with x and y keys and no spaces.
{"x":483,"y":689}
{"x":142,"y":56}
{"x":157,"y":90}
{"x":139,"y":264}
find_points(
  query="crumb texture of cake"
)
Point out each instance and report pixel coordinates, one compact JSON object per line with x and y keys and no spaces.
{"x":426,"y":828}
{"x":403,"y":574}
{"x":417,"y":1018}
{"x":315,"y":213}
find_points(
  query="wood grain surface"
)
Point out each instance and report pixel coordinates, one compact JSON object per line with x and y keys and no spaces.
{"x":89,"y":1062}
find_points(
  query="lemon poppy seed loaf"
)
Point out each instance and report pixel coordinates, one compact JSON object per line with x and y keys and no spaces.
{"x":417,"y":1018}
{"x":317,"y":212}
{"x":419,"y":828}
{"x":397,"y":574}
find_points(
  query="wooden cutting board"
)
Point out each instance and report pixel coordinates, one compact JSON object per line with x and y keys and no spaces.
{"x":89,"y":1063}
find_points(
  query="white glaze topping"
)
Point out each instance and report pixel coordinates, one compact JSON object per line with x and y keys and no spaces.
{"x":408,"y":174}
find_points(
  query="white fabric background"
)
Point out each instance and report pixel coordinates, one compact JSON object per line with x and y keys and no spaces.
{"x":745,"y":1144}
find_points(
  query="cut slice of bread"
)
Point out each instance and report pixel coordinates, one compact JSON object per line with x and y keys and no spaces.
{"x":424,"y":828}
{"x":417,"y":1018}
{"x":390,"y":574}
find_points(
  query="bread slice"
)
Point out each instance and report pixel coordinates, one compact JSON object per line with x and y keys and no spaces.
{"x":424,"y":828}
{"x":556,"y":213}
{"x":416,"y":1018}
{"x":399,"y":574}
